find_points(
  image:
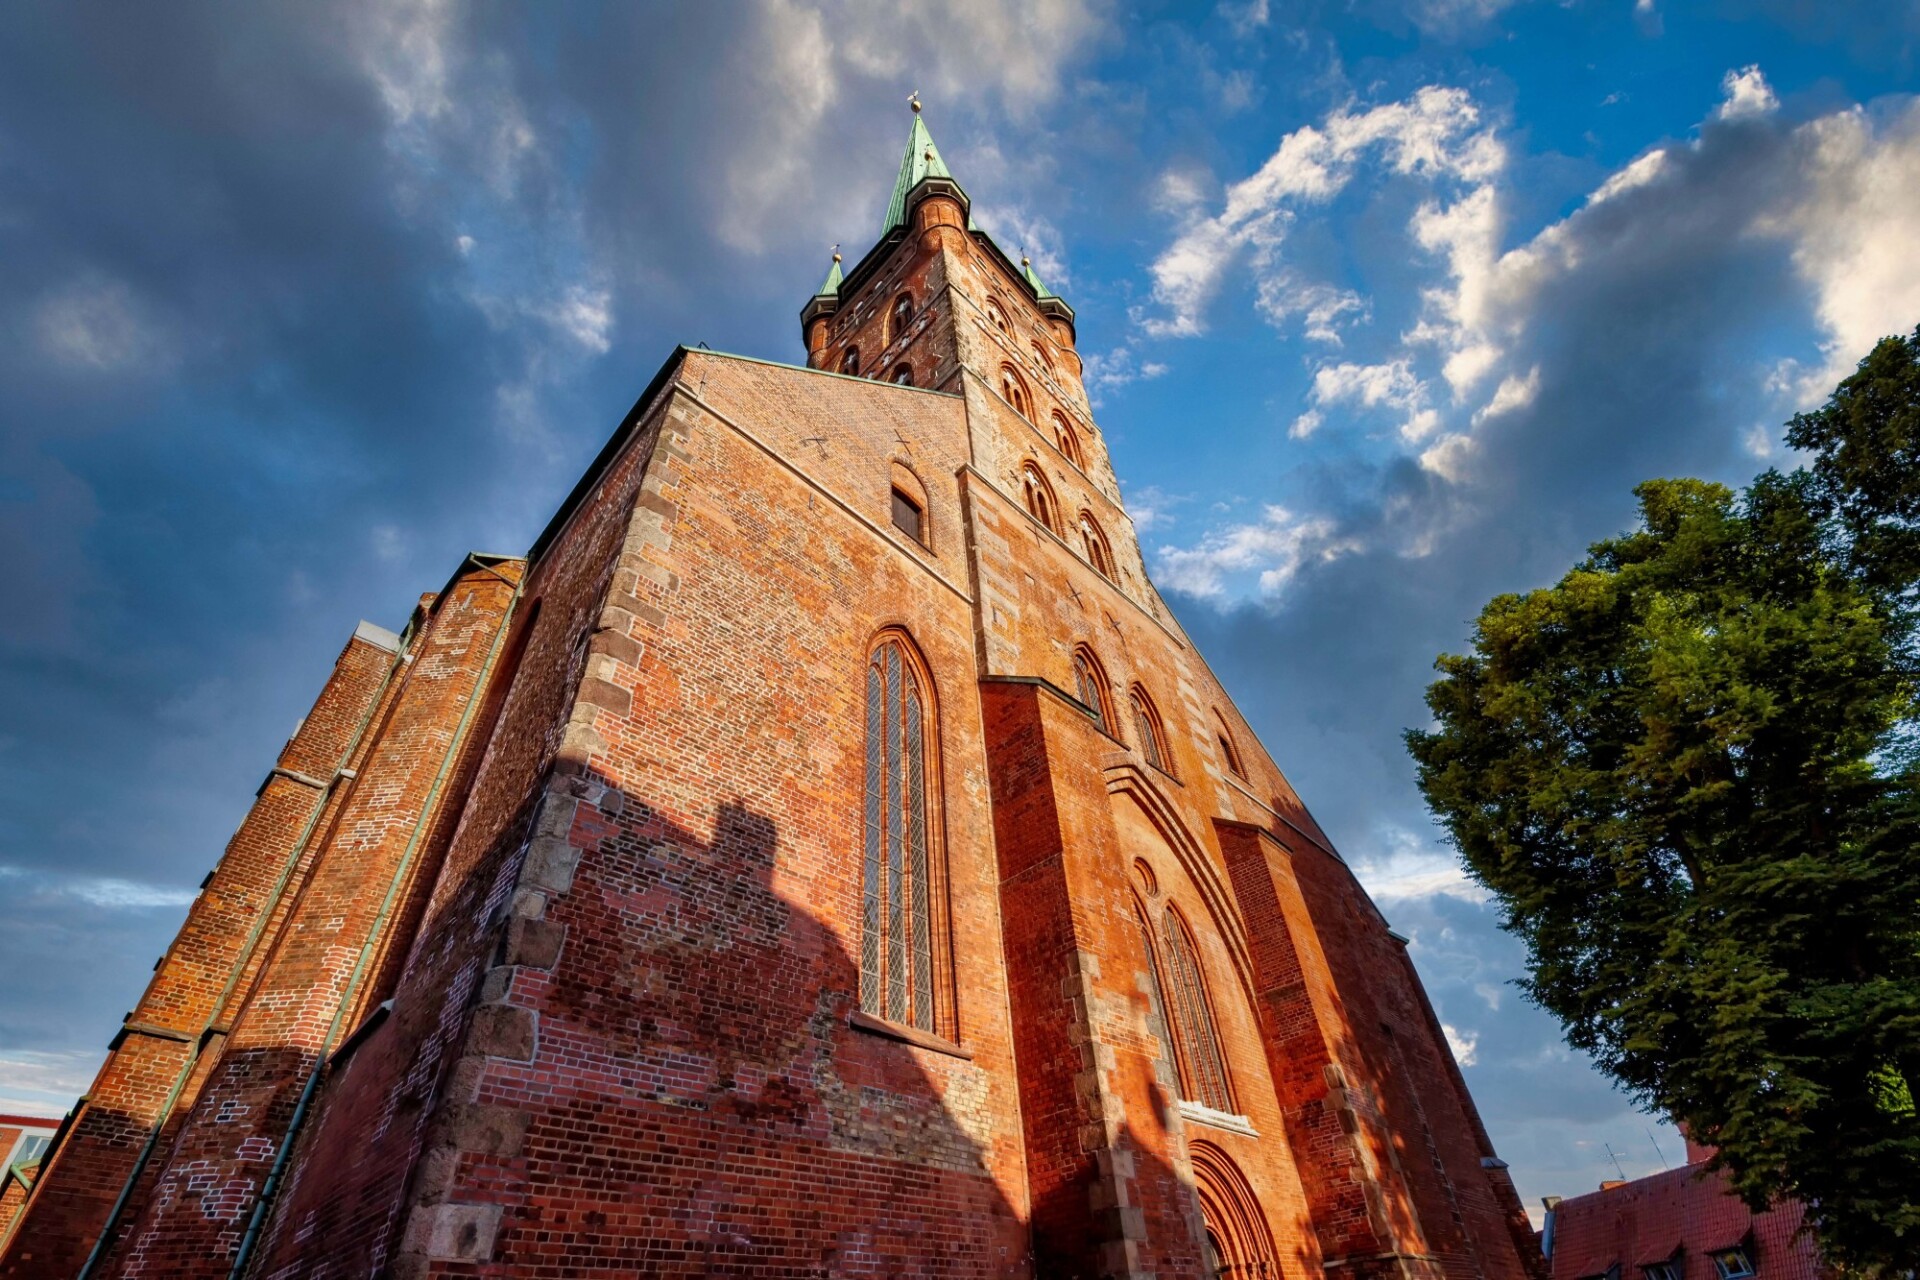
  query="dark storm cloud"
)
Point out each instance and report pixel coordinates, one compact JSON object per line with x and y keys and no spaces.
{"x":299,"y":303}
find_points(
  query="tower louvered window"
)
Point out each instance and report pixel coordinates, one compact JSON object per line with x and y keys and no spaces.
{"x":1203,"y":1073}
{"x":896,"y":940}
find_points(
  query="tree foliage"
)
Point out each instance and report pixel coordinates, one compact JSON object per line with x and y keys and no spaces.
{"x":1684,"y":772}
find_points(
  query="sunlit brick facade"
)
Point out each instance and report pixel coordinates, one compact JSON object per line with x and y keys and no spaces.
{"x":823,"y":854}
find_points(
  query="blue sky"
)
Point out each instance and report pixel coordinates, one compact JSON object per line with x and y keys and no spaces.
{"x":1388,"y":304}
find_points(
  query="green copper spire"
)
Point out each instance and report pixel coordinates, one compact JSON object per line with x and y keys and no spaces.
{"x":922,"y":161}
{"x":1026,"y":270}
{"x":831,"y":287}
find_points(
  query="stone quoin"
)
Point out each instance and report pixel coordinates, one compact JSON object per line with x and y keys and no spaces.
{"x":822,"y":853}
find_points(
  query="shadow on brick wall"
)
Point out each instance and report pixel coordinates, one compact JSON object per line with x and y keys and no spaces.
{"x":695,"y":1101}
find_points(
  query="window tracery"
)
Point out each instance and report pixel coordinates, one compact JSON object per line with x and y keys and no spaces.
{"x":896,"y":941}
{"x":1090,"y":686}
{"x":1203,"y":1073}
{"x":1039,"y":496}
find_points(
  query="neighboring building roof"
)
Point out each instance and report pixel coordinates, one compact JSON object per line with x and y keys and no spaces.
{"x":1686,"y":1213}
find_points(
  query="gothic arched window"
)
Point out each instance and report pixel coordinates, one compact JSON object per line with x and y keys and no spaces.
{"x":1014,"y":391}
{"x":1230,"y":754}
{"x":903,"y":375}
{"x":998,"y":315}
{"x":1146,"y":726}
{"x":896,"y":938}
{"x":1090,"y":686}
{"x":1156,"y":999}
{"x":902,"y":315}
{"x":850,"y":362}
{"x":1203,"y":1072}
{"x":1063,"y":436}
{"x":1098,"y":554}
{"x":1040,"y":354}
{"x":1039,"y":496}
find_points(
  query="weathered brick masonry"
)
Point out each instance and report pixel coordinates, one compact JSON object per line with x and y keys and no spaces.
{"x":823,"y":855}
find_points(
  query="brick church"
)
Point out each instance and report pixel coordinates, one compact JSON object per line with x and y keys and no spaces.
{"x":821,"y":854}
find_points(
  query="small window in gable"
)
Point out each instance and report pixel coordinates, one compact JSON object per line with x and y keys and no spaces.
{"x":1090,"y":686}
{"x":1039,"y":496}
{"x":908,"y":517}
{"x":903,"y":375}
{"x":1014,"y":391}
{"x":850,"y":362}
{"x":1146,"y":727}
{"x":902,"y":315}
{"x":1098,"y":554}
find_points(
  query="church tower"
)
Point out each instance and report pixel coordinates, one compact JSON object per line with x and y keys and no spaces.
{"x":822,"y":854}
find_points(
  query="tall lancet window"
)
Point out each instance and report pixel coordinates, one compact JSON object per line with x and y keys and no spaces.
{"x":896,"y":939}
{"x":1203,"y":1072}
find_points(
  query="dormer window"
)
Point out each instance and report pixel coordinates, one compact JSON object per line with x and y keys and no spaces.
{"x":850,"y":362}
{"x":1732,"y":1264}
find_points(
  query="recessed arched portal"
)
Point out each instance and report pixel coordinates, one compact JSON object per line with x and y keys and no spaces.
{"x":1238,"y":1241}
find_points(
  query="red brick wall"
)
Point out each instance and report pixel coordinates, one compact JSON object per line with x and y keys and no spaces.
{"x":214,"y":1170}
{"x":625,"y":909}
{"x":344,"y":1204}
{"x":226,"y":932}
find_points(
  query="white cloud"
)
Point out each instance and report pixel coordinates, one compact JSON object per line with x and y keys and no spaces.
{"x":1852,"y":222}
{"x":1247,"y":18}
{"x":1637,"y":174}
{"x":1465,"y":1044}
{"x":1747,"y":94}
{"x":108,"y":892}
{"x":1513,"y":393}
{"x":1272,"y":550}
{"x":1117,"y":368}
{"x":1434,"y":136}
{"x":97,"y":325}
{"x":1151,"y":507}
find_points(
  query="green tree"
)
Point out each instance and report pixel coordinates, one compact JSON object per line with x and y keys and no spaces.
{"x":1683,"y":773}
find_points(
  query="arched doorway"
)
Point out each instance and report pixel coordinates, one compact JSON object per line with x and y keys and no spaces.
{"x":1238,"y":1244}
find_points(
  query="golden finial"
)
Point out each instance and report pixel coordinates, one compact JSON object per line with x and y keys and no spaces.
{"x":1025,"y":261}
{"x":836,"y":253}
{"x":913,"y":100}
